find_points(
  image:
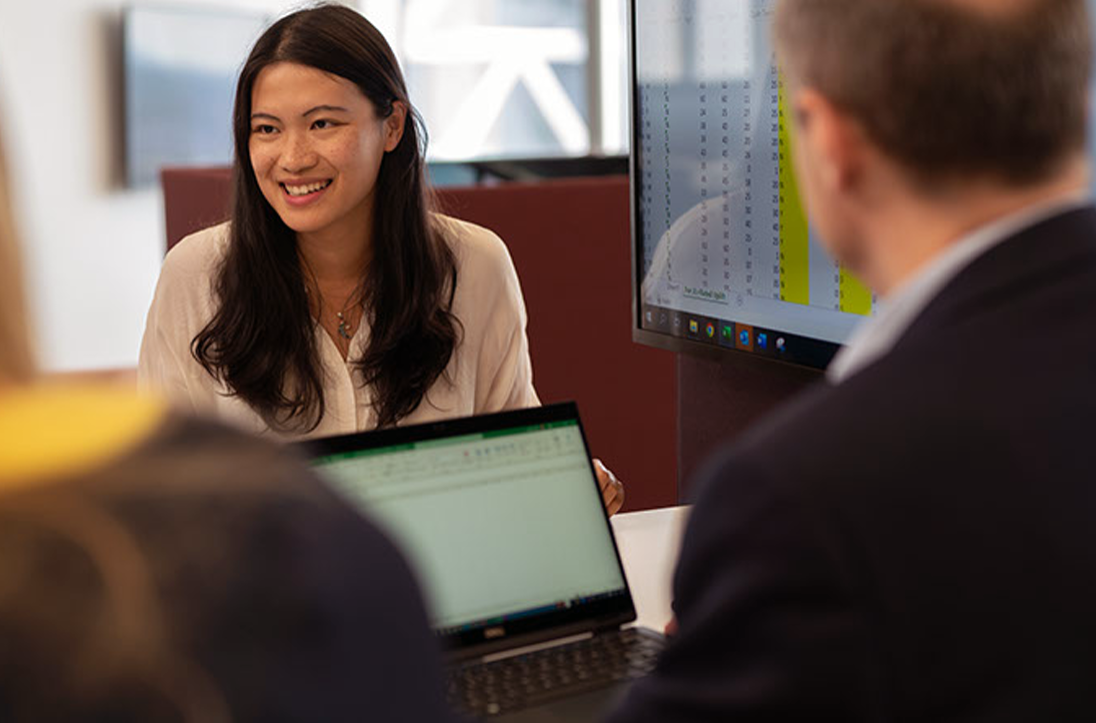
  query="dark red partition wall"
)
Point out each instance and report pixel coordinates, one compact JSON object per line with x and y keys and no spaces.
{"x":719,"y":400}
{"x":571,"y":245}
{"x":194,"y":198}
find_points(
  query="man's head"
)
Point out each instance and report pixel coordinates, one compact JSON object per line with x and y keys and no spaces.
{"x":931,"y":97}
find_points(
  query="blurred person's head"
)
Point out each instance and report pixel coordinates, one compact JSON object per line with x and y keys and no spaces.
{"x":931,"y":117}
{"x":329,"y":152}
{"x":84,"y":633}
{"x":16,"y":359}
{"x":203,"y":577}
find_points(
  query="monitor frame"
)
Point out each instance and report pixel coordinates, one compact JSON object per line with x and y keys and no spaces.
{"x":809,"y":353}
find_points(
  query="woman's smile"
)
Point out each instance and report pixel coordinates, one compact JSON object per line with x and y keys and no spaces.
{"x":304,"y":192}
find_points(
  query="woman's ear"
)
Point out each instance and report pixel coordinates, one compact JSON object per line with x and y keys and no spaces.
{"x":394,"y":125}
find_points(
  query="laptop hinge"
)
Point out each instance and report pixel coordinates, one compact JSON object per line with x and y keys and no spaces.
{"x":613,"y":628}
{"x":557,"y":642}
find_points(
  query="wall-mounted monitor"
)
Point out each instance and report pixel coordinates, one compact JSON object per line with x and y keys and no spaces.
{"x":180,"y":68}
{"x":724,"y":256}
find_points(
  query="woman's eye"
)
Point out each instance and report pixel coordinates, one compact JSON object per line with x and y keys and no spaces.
{"x":263,"y":130}
{"x":322,"y":124}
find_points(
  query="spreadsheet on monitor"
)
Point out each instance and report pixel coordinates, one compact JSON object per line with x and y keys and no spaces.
{"x":721,"y":230}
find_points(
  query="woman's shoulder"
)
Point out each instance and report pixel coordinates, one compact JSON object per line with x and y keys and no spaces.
{"x":487,"y":280}
{"x":478,"y":250}
{"x":198,"y":254}
{"x":183,"y":301}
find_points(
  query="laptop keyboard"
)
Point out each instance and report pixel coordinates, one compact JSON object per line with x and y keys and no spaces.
{"x":523,"y":681}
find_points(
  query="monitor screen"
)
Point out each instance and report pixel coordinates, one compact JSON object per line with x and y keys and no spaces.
{"x":725,"y":256}
{"x":503,"y":525}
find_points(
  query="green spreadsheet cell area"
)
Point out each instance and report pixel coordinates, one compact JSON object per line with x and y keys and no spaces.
{"x":516,"y":486}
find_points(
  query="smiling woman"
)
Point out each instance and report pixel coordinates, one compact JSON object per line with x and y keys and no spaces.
{"x":335,"y":301}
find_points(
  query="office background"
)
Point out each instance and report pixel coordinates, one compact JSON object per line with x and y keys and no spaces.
{"x":94,"y":242}
{"x":494,"y":79}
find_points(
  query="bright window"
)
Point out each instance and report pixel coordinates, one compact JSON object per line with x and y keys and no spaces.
{"x":513,"y":78}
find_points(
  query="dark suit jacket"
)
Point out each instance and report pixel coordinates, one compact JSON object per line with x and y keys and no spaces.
{"x":918,"y":543}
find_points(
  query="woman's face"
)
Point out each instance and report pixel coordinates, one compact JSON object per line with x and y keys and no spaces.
{"x":316,"y":147}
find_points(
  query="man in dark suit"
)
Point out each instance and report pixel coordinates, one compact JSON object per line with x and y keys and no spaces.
{"x":915,"y":539}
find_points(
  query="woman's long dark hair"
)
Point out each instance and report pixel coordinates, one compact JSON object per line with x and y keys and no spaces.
{"x":261,"y":341}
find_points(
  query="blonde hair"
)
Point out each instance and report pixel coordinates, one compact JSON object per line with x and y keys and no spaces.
{"x":16,"y":357}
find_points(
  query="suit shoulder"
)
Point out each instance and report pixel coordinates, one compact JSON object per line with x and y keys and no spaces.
{"x":837,"y":442}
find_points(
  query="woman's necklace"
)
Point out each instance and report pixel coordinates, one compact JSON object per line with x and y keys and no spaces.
{"x":346,"y":331}
{"x":344,"y":326}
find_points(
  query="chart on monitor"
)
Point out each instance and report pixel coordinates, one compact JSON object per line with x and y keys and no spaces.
{"x":726,"y":255}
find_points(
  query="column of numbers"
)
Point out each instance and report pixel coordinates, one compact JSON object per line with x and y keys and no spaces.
{"x":705,"y":120}
{"x":666,"y":165}
{"x":648,"y":175}
{"x":750,"y":229}
{"x":774,"y":153}
{"x":725,"y":183}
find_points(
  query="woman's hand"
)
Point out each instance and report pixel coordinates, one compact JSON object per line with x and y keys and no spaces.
{"x":612,"y":489}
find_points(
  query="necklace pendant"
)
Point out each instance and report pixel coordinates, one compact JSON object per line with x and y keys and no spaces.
{"x":344,"y":330}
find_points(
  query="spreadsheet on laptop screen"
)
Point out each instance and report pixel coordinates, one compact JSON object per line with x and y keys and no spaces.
{"x":498,"y":524}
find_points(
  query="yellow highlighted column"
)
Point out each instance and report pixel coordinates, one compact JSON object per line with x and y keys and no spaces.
{"x":855,"y":295}
{"x":795,"y":259}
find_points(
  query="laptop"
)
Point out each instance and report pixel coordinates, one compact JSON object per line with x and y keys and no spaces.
{"x":503,"y":520}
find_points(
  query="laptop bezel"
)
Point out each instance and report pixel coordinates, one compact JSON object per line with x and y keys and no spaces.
{"x":501,"y":634}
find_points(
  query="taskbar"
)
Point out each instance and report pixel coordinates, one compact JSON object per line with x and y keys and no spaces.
{"x":737,"y":336}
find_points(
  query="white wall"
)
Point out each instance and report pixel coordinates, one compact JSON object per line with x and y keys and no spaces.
{"x":92,"y":248}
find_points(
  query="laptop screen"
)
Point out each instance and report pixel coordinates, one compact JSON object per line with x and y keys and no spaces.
{"x":500,"y":515}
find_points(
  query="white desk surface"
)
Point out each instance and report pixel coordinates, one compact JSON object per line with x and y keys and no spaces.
{"x":649,"y":542}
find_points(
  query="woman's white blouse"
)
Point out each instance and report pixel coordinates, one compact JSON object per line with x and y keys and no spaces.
{"x":490,"y":369}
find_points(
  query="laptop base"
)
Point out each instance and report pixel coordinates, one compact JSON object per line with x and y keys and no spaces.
{"x":592,"y":706}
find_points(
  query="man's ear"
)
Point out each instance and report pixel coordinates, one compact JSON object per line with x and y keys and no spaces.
{"x":394,"y":125}
{"x":832,"y":140}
